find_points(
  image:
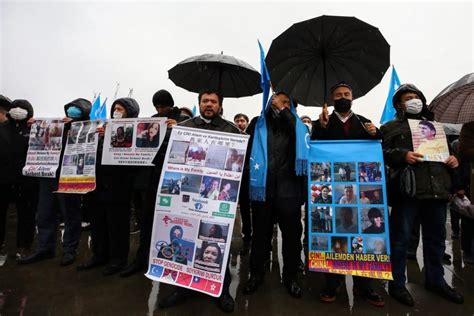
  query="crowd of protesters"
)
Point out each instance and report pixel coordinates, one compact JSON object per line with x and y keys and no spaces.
{"x":439,"y":186}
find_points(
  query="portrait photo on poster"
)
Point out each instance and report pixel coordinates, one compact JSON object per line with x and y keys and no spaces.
{"x":429,"y":139}
{"x":171,"y":183}
{"x":209,"y":188}
{"x":347,"y":220}
{"x":321,"y":219}
{"x":191,"y":182}
{"x":122,"y":135}
{"x":372,"y":220}
{"x":321,"y":193}
{"x":209,"y":256}
{"x":148,"y":135}
{"x":371,"y":194}
{"x":235,"y":160}
{"x":345,"y":193}
{"x":211,"y":231}
{"x":321,"y":171}
{"x":370,"y":172}
{"x":196,"y":154}
{"x":344,"y":171}
{"x":339,"y":244}
{"x":320,"y":243}
{"x":376,"y":246}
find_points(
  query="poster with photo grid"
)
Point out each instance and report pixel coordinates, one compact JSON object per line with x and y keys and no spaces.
{"x":347,"y":206}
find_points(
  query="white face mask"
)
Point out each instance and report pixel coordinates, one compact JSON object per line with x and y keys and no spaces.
{"x":414,"y":106}
{"x":18,"y":114}
{"x":309,"y":126}
{"x":117,"y":115}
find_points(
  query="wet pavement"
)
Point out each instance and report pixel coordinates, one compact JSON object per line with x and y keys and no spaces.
{"x":45,"y":288}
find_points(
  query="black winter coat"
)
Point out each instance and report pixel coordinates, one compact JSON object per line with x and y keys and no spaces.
{"x":282,"y":181}
{"x":14,"y":137}
{"x":433,"y":179}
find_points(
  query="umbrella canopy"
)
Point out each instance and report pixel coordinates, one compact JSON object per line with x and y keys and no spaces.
{"x":455,"y":104}
{"x":230,"y":76}
{"x":313,"y":55}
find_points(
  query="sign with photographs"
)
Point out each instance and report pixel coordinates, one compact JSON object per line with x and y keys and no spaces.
{"x":44,"y":148}
{"x":429,"y":140}
{"x":195,"y":208}
{"x":133,"y":142}
{"x":78,"y":167}
{"x":348,"y":215}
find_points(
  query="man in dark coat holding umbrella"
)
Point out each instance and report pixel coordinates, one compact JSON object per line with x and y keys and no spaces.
{"x":343,"y":123}
{"x":433,"y":187}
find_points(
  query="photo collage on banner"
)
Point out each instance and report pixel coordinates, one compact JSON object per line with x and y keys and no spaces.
{"x":133,"y":142}
{"x":195,"y":208}
{"x":44,"y":148}
{"x":78,"y":167}
{"x":348,"y":219}
{"x":429,"y":139}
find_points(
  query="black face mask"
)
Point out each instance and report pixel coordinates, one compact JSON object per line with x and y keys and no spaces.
{"x":342,"y":105}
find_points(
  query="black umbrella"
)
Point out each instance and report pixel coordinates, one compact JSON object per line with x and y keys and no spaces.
{"x":455,"y":103}
{"x":313,"y":55}
{"x":230,"y":76}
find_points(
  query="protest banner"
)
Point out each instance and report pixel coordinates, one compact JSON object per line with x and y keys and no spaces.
{"x":44,"y":148}
{"x":348,"y":215}
{"x":133,"y":142}
{"x":429,"y":139}
{"x":195,"y":209}
{"x":78,"y":167}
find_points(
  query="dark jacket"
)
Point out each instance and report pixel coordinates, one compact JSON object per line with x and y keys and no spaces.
{"x":14,"y":138}
{"x":433,"y":179}
{"x":335,"y":131}
{"x":174,"y":114}
{"x":282,"y":181}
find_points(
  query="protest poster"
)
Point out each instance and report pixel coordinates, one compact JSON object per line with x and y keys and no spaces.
{"x":429,"y":139}
{"x":133,"y":142}
{"x":44,"y":148}
{"x":195,"y":208}
{"x":78,"y":167}
{"x":348,"y":214}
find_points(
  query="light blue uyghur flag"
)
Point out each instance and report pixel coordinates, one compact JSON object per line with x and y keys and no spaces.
{"x":389,"y":111}
{"x":95,"y":110}
{"x":194,"y":110}
{"x":103,"y":111}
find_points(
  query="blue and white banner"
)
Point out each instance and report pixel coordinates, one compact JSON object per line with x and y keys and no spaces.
{"x":348,"y":215}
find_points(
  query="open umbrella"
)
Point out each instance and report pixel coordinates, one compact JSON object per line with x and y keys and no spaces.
{"x":313,"y":55}
{"x":455,"y":103}
{"x":230,"y":76}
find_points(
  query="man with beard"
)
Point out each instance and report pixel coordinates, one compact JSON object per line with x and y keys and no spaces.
{"x":210,"y":105}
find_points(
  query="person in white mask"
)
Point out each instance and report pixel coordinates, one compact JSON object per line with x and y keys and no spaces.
{"x":428,"y":203}
{"x":14,"y":187}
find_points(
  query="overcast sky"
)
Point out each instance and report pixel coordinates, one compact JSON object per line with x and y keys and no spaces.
{"x":53,"y":52}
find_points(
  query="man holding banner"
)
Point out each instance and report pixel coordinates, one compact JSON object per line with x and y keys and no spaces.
{"x":343,"y":123}
{"x":432,"y":188}
{"x":210,"y":105}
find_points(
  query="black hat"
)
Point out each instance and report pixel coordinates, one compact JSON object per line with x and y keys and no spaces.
{"x":162,"y":98}
{"x":340,"y":84}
